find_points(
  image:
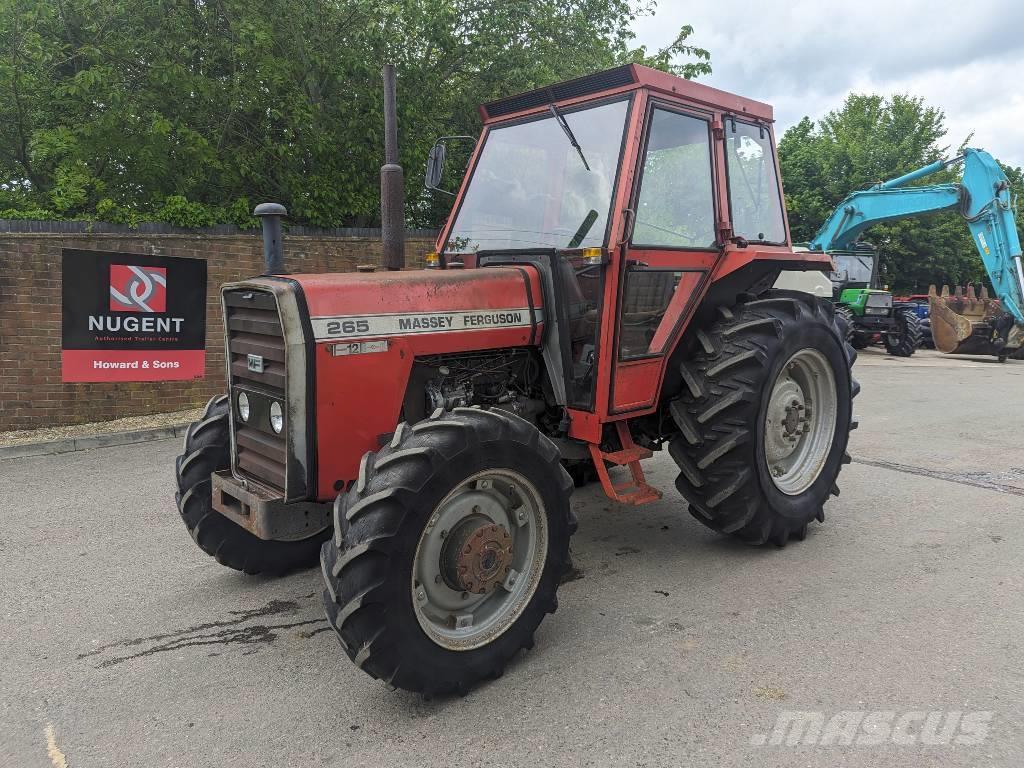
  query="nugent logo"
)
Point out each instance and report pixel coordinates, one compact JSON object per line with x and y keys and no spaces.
{"x":138,"y":289}
{"x":132,"y":317}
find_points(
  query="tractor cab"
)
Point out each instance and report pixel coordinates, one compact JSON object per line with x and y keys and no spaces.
{"x":855,"y":283}
{"x":856,"y":268}
{"x":632,"y":191}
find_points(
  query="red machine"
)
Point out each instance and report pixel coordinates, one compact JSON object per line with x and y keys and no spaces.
{"x":602,"y":289}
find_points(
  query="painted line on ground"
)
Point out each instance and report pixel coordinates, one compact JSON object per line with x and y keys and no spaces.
{"x":58,"y":758}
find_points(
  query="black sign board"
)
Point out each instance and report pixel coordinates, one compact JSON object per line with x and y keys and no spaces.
{"x":132,"y":317}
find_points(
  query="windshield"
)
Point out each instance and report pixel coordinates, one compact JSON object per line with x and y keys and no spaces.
{"x":532,"y":188}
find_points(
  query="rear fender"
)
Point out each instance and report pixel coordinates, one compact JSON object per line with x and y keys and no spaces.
{"x":739,"y":272}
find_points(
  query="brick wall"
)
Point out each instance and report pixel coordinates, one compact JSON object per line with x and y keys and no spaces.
{"x":31,"y":392}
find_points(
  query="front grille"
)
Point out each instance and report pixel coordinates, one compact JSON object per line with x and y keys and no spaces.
{"x":254,"y":328}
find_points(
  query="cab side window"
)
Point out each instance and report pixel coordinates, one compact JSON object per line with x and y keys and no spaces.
{"x":753,"y":184}
{"x":675,"y":206}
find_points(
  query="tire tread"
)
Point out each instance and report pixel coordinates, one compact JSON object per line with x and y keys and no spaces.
{"x":716,"y":413}
{"x":205,"y":451}
{"x":371,"y":523}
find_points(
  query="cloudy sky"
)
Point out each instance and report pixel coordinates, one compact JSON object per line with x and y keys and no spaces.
{"x":804,"y":56}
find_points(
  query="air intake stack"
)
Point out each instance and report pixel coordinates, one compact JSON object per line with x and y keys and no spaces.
{"x":392,"y":182}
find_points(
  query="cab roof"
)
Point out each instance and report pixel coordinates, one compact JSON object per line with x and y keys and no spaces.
{"x":620,"y":79}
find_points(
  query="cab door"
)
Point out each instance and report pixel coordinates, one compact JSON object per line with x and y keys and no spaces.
{"x":671,"y":249}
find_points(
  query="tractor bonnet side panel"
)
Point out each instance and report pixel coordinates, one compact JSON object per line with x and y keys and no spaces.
{"x":369,"y":328}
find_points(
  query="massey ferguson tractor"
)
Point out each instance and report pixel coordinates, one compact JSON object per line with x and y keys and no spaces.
{"x":601,"y":290}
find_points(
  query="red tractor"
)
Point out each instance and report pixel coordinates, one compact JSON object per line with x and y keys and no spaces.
{"x":601,"y":290}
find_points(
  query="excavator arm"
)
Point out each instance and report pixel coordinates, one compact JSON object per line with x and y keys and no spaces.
{"x":983,"y":199}
{"x":989,"y":214}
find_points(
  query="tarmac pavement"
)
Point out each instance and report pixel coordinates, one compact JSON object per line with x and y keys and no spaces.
{"x":124,"y":645}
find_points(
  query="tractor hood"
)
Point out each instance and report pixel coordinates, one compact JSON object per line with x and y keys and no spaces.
{"x":425,"y":302}
{"x":349,"y":366}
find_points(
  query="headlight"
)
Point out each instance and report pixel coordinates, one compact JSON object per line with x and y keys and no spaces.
{"x":243,"y":406}
{"x":276,"y":417}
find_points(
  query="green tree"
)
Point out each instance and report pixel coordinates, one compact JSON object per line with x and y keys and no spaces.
{"x":190,"y":111}
{"x":869,"y":139}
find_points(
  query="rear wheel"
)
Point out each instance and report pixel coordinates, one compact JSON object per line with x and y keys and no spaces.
{"x":907,"y":337}
{"x":207,"y":450}
{"x":764,"y":417}
{"x":448,"y":550}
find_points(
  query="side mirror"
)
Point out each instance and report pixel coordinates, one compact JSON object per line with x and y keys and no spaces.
{"x":435,"y":166}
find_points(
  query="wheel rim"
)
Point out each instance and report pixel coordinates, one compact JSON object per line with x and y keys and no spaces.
{"x":479,"y":559}
{"x":800,"y":422}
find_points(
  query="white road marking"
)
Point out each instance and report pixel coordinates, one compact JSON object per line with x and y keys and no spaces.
{"x":57,"y":757}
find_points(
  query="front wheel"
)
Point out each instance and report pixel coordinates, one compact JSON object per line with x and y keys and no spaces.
{"x":845,"y":322}
{"x":907,"y":337}
{"x":206,"y":450}
{"x":448,"y":550}
{"x":764,"y":417}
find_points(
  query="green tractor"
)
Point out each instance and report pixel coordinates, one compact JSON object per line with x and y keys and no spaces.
{"x":869,"y":311}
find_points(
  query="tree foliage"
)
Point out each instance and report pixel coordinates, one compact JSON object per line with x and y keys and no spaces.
{"x":190,"y":111}
{"x":871,"y":139}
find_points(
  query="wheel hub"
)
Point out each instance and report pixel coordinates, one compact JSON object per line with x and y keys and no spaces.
{"x":800,"y":421}
{"x":789,"y":416}
{"x":794,"y":421}
{"x":478,"y":557}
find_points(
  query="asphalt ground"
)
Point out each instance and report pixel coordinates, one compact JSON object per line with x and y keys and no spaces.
{"x":123,"y":645}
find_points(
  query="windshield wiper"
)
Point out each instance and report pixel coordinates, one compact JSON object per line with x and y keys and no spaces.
{"x":568,"y":132}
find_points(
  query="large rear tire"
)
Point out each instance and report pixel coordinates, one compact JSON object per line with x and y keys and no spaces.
{"x":907,"y":338}
{"x":448,"y":550}
{"x":764,"y":417}
{"x":207,"y":446}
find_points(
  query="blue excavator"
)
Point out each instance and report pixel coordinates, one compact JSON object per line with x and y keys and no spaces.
{"x":975,"y":324}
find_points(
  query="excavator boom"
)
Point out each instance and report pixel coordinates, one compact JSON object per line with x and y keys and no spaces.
{"x":975,"y":325}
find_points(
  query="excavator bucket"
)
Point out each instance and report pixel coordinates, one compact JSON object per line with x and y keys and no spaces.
{"x":970,"y":325}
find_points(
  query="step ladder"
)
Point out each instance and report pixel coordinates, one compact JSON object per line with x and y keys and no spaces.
{"x":634,"y":491}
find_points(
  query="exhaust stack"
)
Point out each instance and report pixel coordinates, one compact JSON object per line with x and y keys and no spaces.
{"x":273,"y":244}
{"x":392,"y":182}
